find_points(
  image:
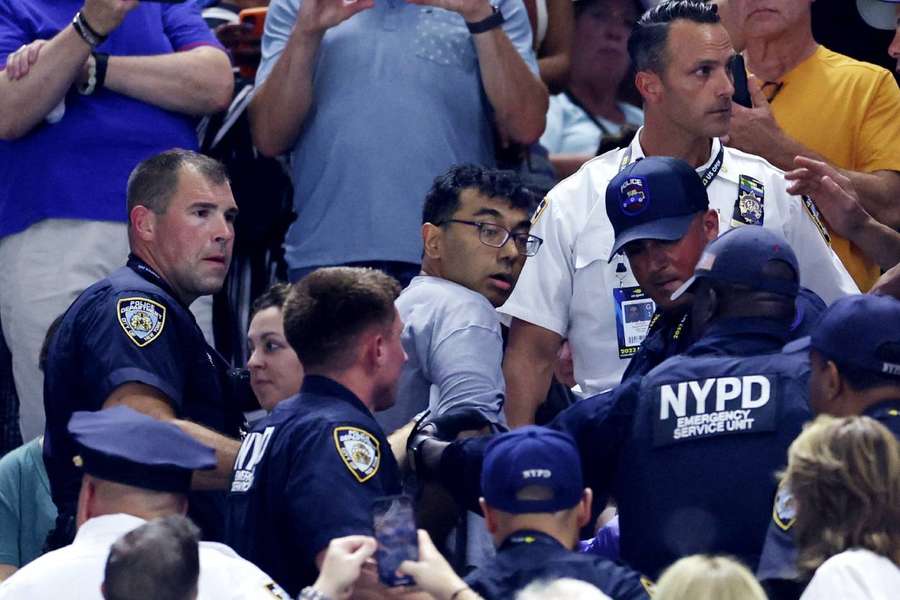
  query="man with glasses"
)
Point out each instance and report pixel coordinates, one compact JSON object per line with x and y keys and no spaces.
{"x":475,"y":234}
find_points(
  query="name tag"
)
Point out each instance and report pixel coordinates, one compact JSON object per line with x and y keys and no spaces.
{"x":698,"y":409}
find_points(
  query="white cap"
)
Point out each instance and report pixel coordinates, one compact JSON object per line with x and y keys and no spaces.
{"x":879,"y":14}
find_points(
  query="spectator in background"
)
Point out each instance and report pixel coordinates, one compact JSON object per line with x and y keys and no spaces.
{"x":27,"y":513}
{"x":845,"y":478}
{"x":859,"y":133}
{"x":159,"y":559}
{"x":275,"y":370}
{"x":883,"y":14}
{"x":475,"y":230}
{"x":703,"y":577}
{"x":590,"y":108}
{"x":397,"y":92}
{"x":551,"y":26}
{"x":94,"y":98}
{"x":561,"y":589}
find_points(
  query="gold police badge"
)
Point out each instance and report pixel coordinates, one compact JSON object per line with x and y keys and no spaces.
{"x":359,"y":450}
{"x":141,"y":319}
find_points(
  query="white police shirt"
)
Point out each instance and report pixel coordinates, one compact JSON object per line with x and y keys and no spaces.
{"x":76,"y":571}
{"x":569,"y":288}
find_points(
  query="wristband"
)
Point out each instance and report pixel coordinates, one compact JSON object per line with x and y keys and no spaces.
{"x":311,"y":593}
{"x":492,"y":22}
{"x":455,"y":594}
{"x":87,"y":33}
{"x":86,"y":89}
{"x":102,"y":61}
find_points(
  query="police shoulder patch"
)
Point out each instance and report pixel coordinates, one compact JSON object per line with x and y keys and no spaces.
{"x":359,"y":450}
{"x":142,"y":319}
{"x":784,"y":512}
{"x":648,"y":586}
{"x":275,"y":591}
{"x":540,"y":210}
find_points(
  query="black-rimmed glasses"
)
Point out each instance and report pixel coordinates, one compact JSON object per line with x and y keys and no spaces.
{"x":496,"y":236}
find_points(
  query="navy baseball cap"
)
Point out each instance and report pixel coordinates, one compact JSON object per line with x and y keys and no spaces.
{"x":655,"y":198}
{"x":739,"y":256}
{"x":856,"y":331}
{"x":123,"y":445}
{"x":531,"y":456}
{"x":880,"y":14}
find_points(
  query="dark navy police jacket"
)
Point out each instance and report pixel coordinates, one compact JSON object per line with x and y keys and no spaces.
{"x":691,"y":449}
{"x":528,"y":556}
{"x":306,"y":474}
{"x":130,"y":327}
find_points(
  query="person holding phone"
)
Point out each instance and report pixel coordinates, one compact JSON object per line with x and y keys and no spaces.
{"x":310,"y":471}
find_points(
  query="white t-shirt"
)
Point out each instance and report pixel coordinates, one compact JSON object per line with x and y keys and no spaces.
{"x":855,"y":575}
{"x":568,"y":287}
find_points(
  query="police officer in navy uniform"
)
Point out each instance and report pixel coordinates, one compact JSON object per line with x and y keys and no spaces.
{"x":534,"y":504}
{"x":130,"y":339}
{"x":309,"y":472}
{"x":854,"y":357}
{"x":690,"y":449}
{"x":659,"y":210}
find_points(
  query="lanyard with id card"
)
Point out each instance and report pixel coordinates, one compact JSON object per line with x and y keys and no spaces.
{"x":634,"y":310}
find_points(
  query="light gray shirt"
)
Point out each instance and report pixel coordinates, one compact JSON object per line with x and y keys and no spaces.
{"x":452,"y":337}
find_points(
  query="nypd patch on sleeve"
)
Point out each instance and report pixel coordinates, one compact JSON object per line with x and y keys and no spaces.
{"x":142,"y":319}
{"x":783,"y":510}
{"x":691,"y":410}
{"x":359,"y":450}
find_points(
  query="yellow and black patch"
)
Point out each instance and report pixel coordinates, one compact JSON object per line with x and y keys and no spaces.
{"x":359,"y":450}
{"x":142,"y":319}
{"x":783,"y":511}
{"x":648,"y":585}
{"x":816,"y":217}
{"x":275,"y":591}
{"x":540,"y":210}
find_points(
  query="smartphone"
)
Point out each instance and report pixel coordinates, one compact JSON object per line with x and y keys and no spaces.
{"x":256,"y":17}
{"x":739,"y":74}
{"x":395,"y":531}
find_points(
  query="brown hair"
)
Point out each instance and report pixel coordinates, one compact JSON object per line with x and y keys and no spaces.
{"x":154,"y":180}
{"x":326,"y":310}
{"x":844,"y":475}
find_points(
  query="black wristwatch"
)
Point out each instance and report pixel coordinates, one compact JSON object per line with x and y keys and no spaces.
{"x":492,"y":22}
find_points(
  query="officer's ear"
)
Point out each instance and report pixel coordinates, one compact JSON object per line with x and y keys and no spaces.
{"x":833,"y":384}
{"x":490,"y":517}
{"x":584,"y":507}
{"x":143,"y":223}
{"x":432,"y":235}
{"x":711,"y":225}
{"x":649,"y":84}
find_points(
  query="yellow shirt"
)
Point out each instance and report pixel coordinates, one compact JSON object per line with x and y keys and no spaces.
{"x":849,"y":112}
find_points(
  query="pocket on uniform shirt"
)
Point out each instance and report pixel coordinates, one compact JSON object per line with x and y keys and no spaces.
{"x":443,"y":38}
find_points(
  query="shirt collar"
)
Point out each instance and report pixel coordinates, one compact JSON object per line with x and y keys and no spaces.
{"x":638,"y":152}
{"x":137,"y":264}
{"x":107,"y":528}
{"x":885,"y":408}
{"x":528,"y":536}
{"x":320,"y":385}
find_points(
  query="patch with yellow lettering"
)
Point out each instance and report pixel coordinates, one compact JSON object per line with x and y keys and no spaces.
{"x":141,"y":319}
{"x":359,"y":450}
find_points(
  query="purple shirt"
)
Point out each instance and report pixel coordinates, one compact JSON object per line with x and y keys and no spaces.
{"x":78,"y":167}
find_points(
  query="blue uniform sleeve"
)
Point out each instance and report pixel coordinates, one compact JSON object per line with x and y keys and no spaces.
{"x":335,"y":477}
{"x":185,"y":27}
{"x":133,"y":338}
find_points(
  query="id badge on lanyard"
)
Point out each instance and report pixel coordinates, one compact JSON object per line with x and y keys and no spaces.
{"x":634,"y":310}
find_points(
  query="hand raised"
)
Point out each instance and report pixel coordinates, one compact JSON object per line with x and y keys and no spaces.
{"x":105,"y":15}
{"x":317,"y":16}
